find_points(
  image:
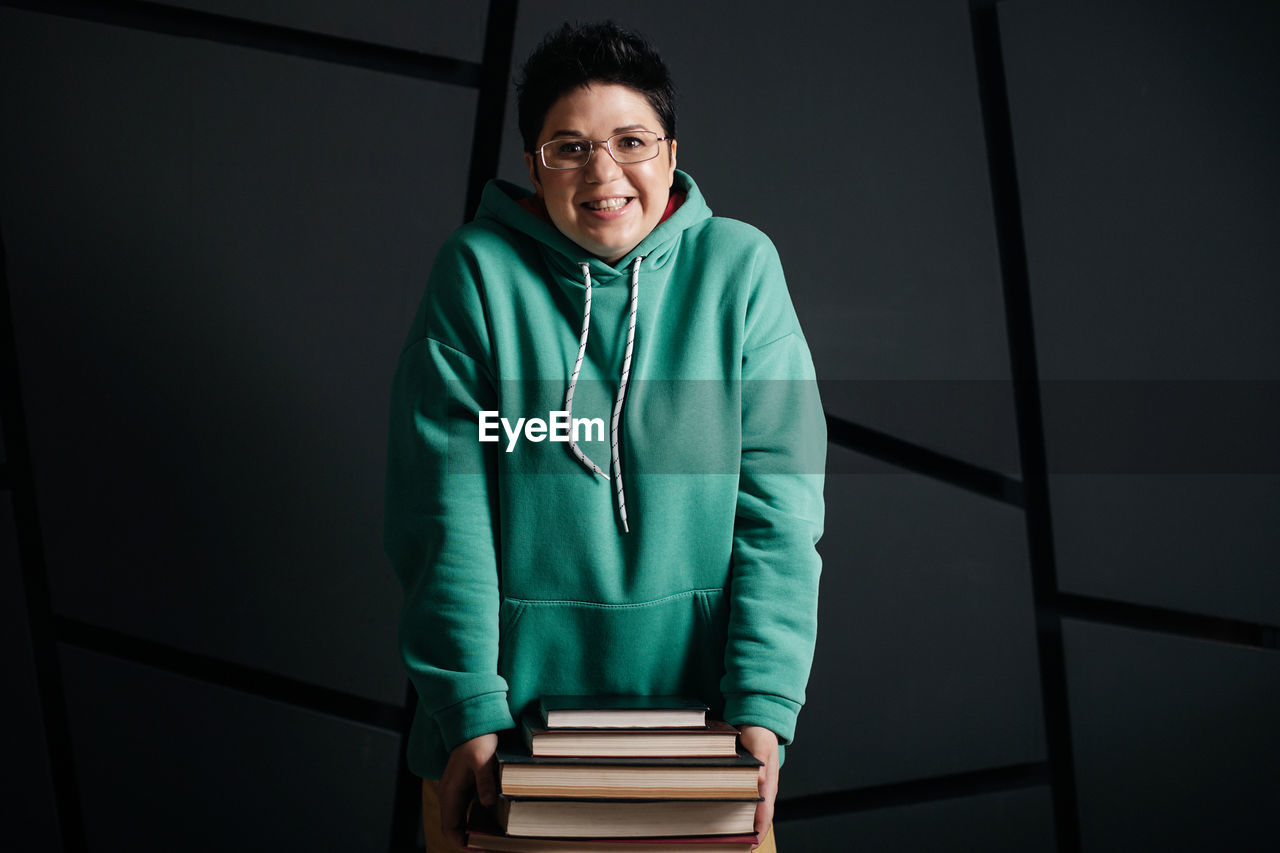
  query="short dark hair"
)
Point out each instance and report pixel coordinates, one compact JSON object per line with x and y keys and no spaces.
{"x":576,"y":55}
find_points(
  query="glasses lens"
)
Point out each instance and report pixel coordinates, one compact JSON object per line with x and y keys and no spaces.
{"x":566,"y":153}
{"x":634,"y":146}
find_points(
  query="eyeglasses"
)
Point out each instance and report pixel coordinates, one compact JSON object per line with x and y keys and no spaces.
{"x":633,"y":146}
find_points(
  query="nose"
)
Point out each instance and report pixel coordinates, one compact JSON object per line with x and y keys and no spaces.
{"x":601,"y":168}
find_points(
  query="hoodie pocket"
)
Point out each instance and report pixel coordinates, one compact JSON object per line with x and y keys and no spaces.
{"x":668,"y":646}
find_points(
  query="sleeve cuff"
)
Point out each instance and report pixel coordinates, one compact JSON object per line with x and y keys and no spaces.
{"x":775,"y":713}
{"x":480,"y":715}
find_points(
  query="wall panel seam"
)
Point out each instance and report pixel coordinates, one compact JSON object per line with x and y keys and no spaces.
{"x":256,"y":35}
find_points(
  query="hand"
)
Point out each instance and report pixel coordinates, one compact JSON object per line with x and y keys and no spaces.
{"x":470,"y":769}
{"x":763,"y":744}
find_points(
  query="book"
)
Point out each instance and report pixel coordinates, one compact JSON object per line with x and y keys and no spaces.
{"x":717,"y":739}
{"x":594,"y":712}
{"x":523,"y":775}
{"x":625,"y":818}
{"x":710,"y":844}
{"x":483,"y":833}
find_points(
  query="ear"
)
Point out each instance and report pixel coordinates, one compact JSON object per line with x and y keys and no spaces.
{"x":671,"y":172}
{"x":532,"y":166}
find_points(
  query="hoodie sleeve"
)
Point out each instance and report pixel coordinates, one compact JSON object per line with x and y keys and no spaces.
{"x":774,"y":583}
{"x":440,"y":515}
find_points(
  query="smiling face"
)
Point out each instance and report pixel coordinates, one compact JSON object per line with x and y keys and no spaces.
{"x":604,"y":207}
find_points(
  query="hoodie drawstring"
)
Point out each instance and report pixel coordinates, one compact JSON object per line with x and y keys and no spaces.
{"x":622,"y":392}
{"x":573,"y":379}
{"x":622,"y":387}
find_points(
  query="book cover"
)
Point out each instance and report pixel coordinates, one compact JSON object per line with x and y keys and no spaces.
{"x":624,"y":818}
{"x":705,"y":844}
{"x":483,"y":833}
{"x":716,"y":739}
{"x":622,"y":711}
{"x":523,"y":775}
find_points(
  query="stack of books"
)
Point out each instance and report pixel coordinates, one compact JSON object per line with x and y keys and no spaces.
{"x":628,"y":774}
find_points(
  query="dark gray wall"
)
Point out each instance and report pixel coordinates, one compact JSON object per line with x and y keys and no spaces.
{"x":210,"y":277}
{"x":28,"y":787}
{"x":1004,"y":822}
{"x":1145,"y":137}
{"x":213,"y":255}
{"x":926,"y":664}
{"x":437,"y":27}
{"x":158,"y":755}
{"x":1145,"y":140}
{"x":213,"y":252}
{"x":1175,"y":741}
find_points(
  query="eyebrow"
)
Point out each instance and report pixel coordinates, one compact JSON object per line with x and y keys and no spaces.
{"x":616,"y":130}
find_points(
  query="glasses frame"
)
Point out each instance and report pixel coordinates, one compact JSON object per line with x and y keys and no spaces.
{"x":591,"y":150}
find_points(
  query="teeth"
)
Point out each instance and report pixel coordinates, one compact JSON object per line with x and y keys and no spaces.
{"x":607,"y":204}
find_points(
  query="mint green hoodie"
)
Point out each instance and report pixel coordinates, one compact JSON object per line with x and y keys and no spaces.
{"x":521,"y":577}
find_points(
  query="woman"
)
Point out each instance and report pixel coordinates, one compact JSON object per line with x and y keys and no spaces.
{"x":656,"y":537}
